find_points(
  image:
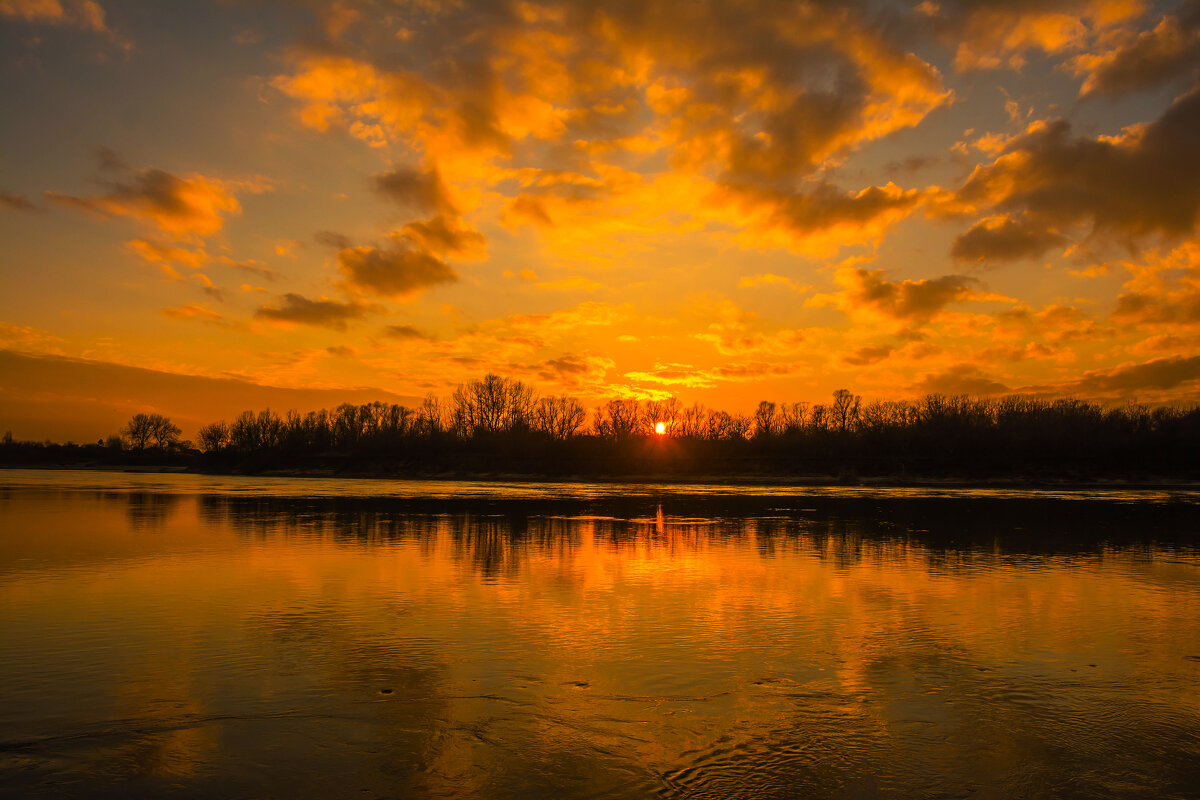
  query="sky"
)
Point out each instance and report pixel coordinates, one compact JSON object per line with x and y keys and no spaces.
{"x":207,"y":206}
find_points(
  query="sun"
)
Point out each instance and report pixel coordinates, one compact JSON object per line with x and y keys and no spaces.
{"x":660,"y":428}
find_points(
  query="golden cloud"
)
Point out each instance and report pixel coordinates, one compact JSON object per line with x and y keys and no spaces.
{"x":1001,"y":33}
{"x":79,"y":13}
{"x":183,"y":207}
{"x":745,"y":101}
{"x":199,"y":313}
{"x":322,"y":313}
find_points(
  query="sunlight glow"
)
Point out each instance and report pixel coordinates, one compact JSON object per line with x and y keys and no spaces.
{"x":660,"y":429}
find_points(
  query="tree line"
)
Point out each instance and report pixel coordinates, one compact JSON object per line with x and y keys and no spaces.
{"x":500,"y":425}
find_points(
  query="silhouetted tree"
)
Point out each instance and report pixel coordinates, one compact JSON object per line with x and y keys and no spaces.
{"x":559,"y":417}
{"x":844,"y":411}
{"x":214,"y":437}
{"x":492,"y":405}
{"x":766,"y":420}
{"x":618,"y":419}
{"x":143,"y":429}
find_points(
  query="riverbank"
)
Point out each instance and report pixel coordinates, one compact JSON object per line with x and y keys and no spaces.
{"x":898,"y":481}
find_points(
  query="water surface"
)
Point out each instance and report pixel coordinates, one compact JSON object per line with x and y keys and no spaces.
{"x":235,"y":637}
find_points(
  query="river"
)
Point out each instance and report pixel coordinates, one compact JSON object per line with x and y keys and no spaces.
{"x":186,"y":635}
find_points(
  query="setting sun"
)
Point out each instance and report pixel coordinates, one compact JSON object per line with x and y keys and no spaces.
{"x":660,"y":428}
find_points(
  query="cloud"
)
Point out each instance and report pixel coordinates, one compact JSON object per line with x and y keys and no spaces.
{"x":959,"y":379}
{"x":700,"y":378}
{"x":397,"y":272}
{"x":322,"y":313}
{"x":404,"y":332}
{"x":1144,"y":181}
{"x":415,"y":190}
{"x":24,"y":337}
{"x":168,"y":256}
{"x":195,"y":312}
{"x":870,"y":354}
{"x":160,"y":253}
{"x":1168,"y":52}
{"x":1146,"y":308}
{"x":1004,"y":238}
{"x":753,"y":99}
{"x":587,"y":314}
{"x":18,"y":202}
{"x":1158,"y":373}
{"x":820,"y":220}
{"x":76,"y":13}
{"x":338,"y":241}
{"x":1053,"y":322}
{"x":919,"y":301}
{"x":575,"y":371}
{"x":990,"y":34}
{"x":770,"y":279}
{"x":183,"y":207}
{"x":1164,"y":290}
{"x":249,"y":266}
{"x":445,"y":236}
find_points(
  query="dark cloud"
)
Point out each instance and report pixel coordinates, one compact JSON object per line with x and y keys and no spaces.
{"x":821,"y":208}
{"x":394,"y":272}
{"x":414,"y":190}
{"x":910,"y":164}
{"x":1004,"y":239}
{"x":445,"y":236}
{"x":917,"y":301}
{"x":250,"y":267}
{"x":1167,"y":53}
{"x":1179,"y":308}
{"x":1145,"y":181}
{"x":1158,"y":373}
{"x":180,"y":206}
{"x":338,"y":241}
{"x":960,"y":379}
{"x":404,"y":332}
{"x":110,"y":161}
{"x":321,"y":313}
{"x":18,"y":202}
{"x":870,"y":354}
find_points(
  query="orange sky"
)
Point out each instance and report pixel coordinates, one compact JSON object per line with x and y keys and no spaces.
{"x":723,"y":201}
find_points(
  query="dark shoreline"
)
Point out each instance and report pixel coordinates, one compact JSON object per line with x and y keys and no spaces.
{"x":1025,"y":482}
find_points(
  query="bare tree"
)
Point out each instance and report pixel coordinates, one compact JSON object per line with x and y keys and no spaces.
{"x":558,"y":417}
{"x":693,"y":421}
{"x":492,"y":405}
{"x":618,"y":419}
{"x":661,"y":411}
{"x":143,"y":429}
{"x":214,"y":437}
{"x":766,"y":420}
{"x":792,"y":417}
{"x":433,"y":415}
{"x":844,"y":411}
